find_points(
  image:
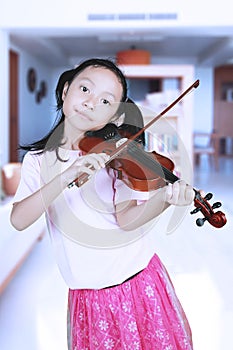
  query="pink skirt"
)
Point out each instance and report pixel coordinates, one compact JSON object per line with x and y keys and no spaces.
{"x":142,"y":313}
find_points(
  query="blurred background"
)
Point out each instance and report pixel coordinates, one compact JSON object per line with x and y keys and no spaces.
{"x":162,"y":47}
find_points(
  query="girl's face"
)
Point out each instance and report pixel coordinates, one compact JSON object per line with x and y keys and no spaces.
{"x":92,"y":99}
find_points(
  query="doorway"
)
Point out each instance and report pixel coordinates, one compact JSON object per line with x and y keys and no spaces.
{"x":223,"y":108}
{"x":13,"y":107}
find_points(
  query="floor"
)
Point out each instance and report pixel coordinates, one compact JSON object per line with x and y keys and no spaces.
{"x":199,"y":260}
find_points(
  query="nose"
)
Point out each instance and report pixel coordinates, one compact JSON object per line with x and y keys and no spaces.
{"x":89,"y":104}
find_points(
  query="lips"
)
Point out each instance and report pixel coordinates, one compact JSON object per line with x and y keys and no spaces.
{"x":84,"y":116}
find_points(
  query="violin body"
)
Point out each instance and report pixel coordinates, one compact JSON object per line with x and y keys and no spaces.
{"x":148,"y":171}
{"x":135,"y":174}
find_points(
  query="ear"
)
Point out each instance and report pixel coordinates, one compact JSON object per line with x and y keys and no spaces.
{"x":65,"y":89}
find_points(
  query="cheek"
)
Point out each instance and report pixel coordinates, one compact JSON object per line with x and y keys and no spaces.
{"x":105,"y":114}
{"x":65,"y":110}
{"x":66,"y":106}
{"x":102,"y":114}
{"x":100,"y":119}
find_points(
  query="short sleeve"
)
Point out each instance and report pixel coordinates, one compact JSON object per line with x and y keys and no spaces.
{"x":124,"y":193}
{"x":30,"y":180}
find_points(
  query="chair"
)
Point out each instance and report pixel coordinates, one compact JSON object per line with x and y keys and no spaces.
{"x":205,"y":143}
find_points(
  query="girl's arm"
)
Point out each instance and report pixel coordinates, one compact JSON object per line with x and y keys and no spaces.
{"x":25,"y":212}
{"x":28,"y":210}
{"x":131,"y":216}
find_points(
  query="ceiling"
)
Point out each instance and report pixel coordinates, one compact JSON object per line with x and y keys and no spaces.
{"x":202,"y":46}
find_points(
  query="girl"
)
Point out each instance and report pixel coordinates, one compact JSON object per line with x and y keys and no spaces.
{"x":120,"y":295}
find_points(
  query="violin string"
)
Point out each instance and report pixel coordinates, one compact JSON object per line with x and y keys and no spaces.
{"x":151,"y":163}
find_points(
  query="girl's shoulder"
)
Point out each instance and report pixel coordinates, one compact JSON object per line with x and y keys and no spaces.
{"x":32,"y":155}
{"x":32,"y":159}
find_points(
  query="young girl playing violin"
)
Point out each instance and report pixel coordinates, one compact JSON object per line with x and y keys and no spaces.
{"x":120,"y":295}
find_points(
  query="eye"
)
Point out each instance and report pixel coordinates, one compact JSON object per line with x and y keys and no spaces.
{"x":84,"y":88}
{"x":105,"y":102}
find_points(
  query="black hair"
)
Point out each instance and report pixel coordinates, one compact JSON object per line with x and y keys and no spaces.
{"x":53,"y":140}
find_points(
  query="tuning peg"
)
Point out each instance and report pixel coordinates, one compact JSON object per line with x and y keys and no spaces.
{"x":208,"y":196}
{"x":217,"y":205}
{"x":196,"y":210}
{"x":200,"y":221}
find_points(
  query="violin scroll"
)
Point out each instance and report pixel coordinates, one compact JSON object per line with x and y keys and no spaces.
{"x":216,"y":219}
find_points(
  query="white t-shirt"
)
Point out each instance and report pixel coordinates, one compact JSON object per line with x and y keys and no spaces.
{"x":90,"y":248}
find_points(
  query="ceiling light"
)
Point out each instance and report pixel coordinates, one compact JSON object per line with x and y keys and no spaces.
{"x":130,"y":37}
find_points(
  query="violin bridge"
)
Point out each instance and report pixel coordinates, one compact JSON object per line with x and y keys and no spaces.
{"x":121,"y":141}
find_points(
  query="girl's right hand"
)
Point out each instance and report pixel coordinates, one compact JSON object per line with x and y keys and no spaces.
{"x":88,"y":164}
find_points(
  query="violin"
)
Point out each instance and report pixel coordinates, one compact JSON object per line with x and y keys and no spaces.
{"x":142,"y":170}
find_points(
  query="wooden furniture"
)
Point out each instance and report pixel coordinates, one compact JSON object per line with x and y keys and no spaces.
{"x":173,"y":130}
{"x":14,"y":105}
{"x":206,"y":144}
{"x":223,"y":105}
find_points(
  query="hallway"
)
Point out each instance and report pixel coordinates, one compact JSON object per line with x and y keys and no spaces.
{"x":199,"y":261}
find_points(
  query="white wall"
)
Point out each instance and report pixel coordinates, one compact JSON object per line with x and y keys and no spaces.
{"x":70,"y":13}
{"x":37,"y":116}
{"x":4,"y":106}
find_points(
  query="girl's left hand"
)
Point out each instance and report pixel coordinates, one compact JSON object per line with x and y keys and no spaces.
{"x":179,"y":193}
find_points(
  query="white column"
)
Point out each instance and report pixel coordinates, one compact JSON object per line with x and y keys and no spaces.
{"x":4,"y":97}
{"x":4,"y":103}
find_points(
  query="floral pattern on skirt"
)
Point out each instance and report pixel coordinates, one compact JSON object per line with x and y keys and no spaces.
{"x":142,"y":313}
